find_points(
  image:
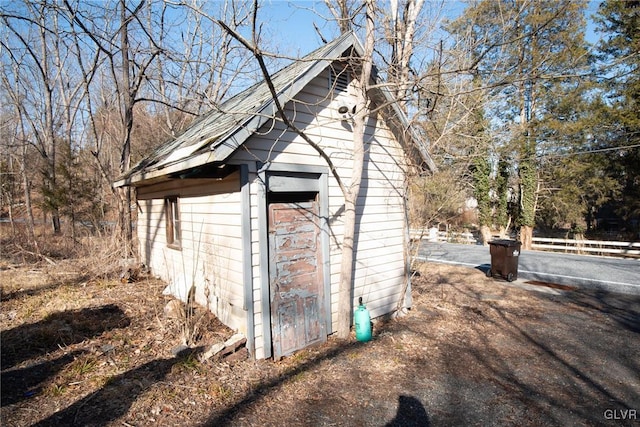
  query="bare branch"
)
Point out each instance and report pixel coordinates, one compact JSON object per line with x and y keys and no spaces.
{"x":280,"y":110}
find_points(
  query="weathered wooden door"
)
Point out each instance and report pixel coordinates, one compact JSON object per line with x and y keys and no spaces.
{"x":295,"y":273}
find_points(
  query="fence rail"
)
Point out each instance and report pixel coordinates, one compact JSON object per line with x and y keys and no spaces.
{"x":433,"y":235}
{"x":595,"y":247}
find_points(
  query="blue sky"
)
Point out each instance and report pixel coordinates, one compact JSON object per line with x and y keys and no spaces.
{"x":291,"y":22}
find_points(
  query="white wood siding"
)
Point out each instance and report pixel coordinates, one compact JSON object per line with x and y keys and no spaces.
{"x":210,"y":256}
{"x":256,"y":276}
{"x":380,"y":258}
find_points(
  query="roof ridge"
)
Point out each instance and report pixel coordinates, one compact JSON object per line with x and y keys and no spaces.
{"x":310,"y":57}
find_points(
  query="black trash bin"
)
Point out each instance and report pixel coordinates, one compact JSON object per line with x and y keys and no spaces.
{"x":504,"y":259}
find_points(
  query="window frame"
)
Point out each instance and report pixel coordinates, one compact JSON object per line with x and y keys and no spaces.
{"x":172,"y":215}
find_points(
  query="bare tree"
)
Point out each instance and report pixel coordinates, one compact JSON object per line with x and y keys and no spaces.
{"x":10,"y":170}
{"x":194,"y":75}
{"x":16,"y":144}
{"x":108,"y":81}
{"x":360,"y":118}
{"x":34,"y":88}
{"x":401,"y":29}
{"x":143,"y":64}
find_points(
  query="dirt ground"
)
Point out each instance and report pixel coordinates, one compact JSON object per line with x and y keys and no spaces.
{"x":472,"y":351}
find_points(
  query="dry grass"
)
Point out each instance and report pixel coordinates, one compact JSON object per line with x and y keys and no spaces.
{"x":67,"y":336}
{"x":88,"y":350}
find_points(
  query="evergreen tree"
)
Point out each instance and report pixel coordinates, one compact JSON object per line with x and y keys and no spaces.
{"x":502,"y":191}
{"x":481,"y":169}
{"x":525,"y":52}
{"x":619,"y":23}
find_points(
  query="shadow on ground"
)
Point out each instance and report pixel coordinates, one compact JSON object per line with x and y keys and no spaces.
{"x":37,"y":290}
{"x":20,"y":384}
{"x":114,"y":399}
{"x":411,"y":413}
{"x":63,"y":328}
{"x":243,"y":405}
{"x":567,"y":358}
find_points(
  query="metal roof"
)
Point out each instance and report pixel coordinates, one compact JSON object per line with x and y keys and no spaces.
{"x":213,"y":137}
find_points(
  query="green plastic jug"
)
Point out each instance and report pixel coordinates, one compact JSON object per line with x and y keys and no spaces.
{"x":363,"y":323}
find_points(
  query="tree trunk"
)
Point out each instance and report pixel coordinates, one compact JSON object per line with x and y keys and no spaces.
{"x":27,"y":201}
{"x":55,"y":221}
{"x":360,"y":118}
{"x":125,"y":159}
{"x":485,"y":234}
{"x":526,"y":237}
{"x":10,"y":197}
{"x":403,"y":33}
{"x":345,"y":293}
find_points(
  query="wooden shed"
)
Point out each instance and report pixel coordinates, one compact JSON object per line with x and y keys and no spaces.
{"x":249,"y":214}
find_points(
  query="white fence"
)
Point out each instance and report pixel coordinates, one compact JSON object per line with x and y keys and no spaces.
{"x":594,"y":247}
{"x":433,"y":235}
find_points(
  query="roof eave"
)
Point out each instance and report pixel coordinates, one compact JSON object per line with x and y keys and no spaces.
{"x":164,"y":171}
{"x":227,"y":145}
{"x":407,"y":129}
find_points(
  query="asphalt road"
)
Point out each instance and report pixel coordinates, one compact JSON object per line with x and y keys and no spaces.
{"x":584,"y":271}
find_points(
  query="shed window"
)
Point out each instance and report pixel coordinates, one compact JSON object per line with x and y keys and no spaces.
{"x":338,"y":79}
{"x":172,"y":213}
